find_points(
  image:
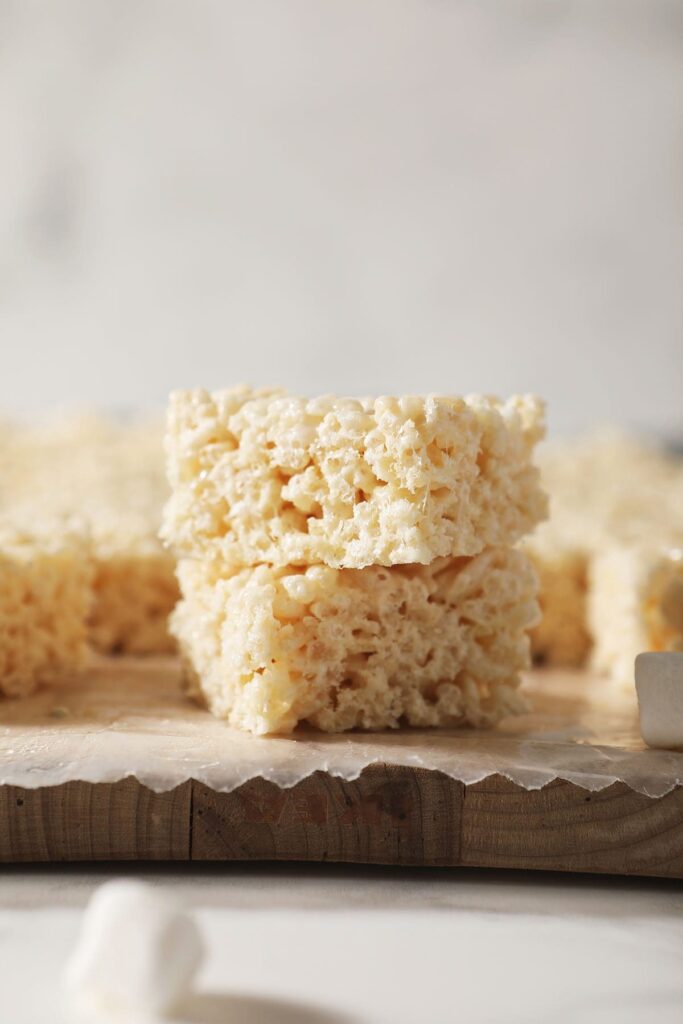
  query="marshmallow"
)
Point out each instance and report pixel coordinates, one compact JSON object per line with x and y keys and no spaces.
{"x":137,"y":954}
{"x":659,"y":684}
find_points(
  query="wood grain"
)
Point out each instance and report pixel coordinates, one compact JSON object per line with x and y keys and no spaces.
{"x":84,"y":821}
{"x":565,"y":828}
{"x":389,"y":815}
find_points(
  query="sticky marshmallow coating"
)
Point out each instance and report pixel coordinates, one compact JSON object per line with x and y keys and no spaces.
{"x":437,"y":645}
{"x":264,"y":477}
{"x":45,"y":597}
{"x":635,"y":605}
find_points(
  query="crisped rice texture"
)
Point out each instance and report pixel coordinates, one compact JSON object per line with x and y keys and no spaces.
{"x":437,"y":645}
{"x":261,"y":476}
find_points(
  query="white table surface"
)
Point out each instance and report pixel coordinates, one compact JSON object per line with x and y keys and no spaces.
{"x":328,"y":945}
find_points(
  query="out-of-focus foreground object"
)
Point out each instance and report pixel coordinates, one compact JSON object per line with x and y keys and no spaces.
{"x":138,"y":952}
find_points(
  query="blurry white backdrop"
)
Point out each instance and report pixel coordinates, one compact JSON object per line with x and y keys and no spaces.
{"x":348,"y":195}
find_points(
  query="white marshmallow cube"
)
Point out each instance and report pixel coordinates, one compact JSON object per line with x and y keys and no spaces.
{"x":137,"y":954}
{"x":659,"y":685}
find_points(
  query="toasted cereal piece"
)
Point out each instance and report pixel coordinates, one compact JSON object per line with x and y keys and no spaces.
{"x":112,"y":476}
{"x":261,"y":476}
{"x":437,"y":645}
{"x":45,"y":597}
{"x":635,"y":605}
{"x":562,"y":636}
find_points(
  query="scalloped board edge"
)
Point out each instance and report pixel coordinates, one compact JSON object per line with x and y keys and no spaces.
{"x":390,"y":815}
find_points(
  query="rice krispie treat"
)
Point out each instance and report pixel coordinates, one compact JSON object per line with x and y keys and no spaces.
{"x":111,"y":476}
{"x":264,"y":477}
{"x":635,"y":605}
{"x":45,"y":596}
{"x":604,"y":489}
{"x":135,"y":590}
{"x":608,"y":486}
{"x":437,"y":645}
{"x":562,"y":636}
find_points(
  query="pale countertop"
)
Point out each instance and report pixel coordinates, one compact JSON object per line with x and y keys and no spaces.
{"x":333,"y":945}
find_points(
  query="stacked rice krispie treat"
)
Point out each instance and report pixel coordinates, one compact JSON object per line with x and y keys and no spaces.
{"x":351,"y":563}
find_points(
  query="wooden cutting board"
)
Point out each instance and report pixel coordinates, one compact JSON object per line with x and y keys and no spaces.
{"x":395,"y":814}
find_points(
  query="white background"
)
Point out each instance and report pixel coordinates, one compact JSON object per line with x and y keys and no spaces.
{"x":348,"y":195}
{"x":290,"y":944}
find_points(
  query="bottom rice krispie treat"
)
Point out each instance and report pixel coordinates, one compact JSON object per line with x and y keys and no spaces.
{"x":45,"y":597}
{"x":437,"y":645}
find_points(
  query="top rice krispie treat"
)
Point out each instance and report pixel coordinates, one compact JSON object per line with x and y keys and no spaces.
{"x":264,"y":477}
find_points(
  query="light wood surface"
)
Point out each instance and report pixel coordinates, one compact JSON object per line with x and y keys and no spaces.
{"x":390,"y":815}
{"x":128,"y":715}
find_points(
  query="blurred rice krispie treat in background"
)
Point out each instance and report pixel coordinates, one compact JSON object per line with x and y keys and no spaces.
{"x":561,"y":637}
{"x":635,"y":604}
{"x":111,"y":476}
{"x":616,"y":522}
{"x":45,"y":599}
